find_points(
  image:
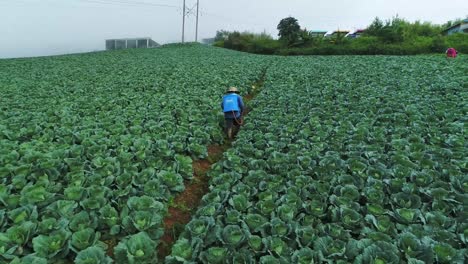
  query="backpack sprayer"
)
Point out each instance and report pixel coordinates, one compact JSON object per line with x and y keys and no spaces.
{"x":240,"y":121}
{"x":233,"y":107}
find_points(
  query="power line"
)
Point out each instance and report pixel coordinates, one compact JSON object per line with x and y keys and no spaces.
{"x":186,"y":13}
{"x":119,"y":3}
{"x":190,"y":10}
{"x":15,"y":2}
{"x":128,"y":3}
{"x":141,"y":3}
{"x":82,"y":5}
{"x":136,"y":2}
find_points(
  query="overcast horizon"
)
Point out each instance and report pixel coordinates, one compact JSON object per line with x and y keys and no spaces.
{"x":51,"y":27}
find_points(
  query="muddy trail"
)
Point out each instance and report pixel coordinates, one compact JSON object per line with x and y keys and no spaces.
{"x":186,"y":203}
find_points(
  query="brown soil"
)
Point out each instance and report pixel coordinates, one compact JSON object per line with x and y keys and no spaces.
{"x":248,"y":97}
{"x":185,"y":203}
{"x":215,"y":150}
{"x":111,"y":243}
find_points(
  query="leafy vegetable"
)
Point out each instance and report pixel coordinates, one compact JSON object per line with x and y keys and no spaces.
{"x":92,"y":255}
{"x":345,"y":160}
{"x":138,"y":248}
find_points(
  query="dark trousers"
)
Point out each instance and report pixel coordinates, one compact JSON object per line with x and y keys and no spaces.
{"x":231,"y":126}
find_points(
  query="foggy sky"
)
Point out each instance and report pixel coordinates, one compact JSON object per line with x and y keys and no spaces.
{"x":47,"y":27}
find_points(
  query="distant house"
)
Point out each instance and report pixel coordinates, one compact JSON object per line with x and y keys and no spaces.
{"x":356,"y":34}
{"x":130,"y":43}
{"x":337,"y":33}
{"x":317,"y":33}
{"x":461,"y":27}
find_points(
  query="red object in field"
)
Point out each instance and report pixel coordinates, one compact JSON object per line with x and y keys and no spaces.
{"x":451,"y":53}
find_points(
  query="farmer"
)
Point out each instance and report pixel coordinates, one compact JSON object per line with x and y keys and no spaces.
{"x":451,"y":53}
{"x":233,"y":108}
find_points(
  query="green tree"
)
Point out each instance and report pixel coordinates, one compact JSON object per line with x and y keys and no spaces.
{"x":289,"y":30}
{"x":222,"y":35}
{"x":390,"y":31}
{"x":375,"y":28}
{"x":306,"y":38}
{"x":340,"y":38}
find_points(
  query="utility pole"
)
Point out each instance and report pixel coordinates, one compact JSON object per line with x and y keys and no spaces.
{"x":183,"y":23}
{"x":196,"y":28}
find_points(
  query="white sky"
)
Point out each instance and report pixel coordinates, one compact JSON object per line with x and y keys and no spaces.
{"x":46,"y":27}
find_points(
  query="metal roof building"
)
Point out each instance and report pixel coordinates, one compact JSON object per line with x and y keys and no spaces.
{"x":461,"y":27}
{"x":356,"y":34}
{"x":130,"y":43}
{"x":336,"y":33}
{"x":317,"y":33}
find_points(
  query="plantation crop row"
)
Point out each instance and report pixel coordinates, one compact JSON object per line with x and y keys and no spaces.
{"x":344,"y":159}
{"x":92,"y":147}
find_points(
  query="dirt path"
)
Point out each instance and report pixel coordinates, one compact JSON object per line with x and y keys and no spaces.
{"x":186,"y":203}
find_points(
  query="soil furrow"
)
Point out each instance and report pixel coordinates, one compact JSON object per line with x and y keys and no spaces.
{"x":186,"y":203}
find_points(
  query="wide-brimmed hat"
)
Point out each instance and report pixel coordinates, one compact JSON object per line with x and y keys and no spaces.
{"x":233,"y":90}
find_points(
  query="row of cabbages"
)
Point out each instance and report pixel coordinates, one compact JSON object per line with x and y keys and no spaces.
{"x":93,"y":146}
{"x":343,"y":159}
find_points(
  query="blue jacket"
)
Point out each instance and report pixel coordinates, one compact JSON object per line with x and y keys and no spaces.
{"x":232,"y":105}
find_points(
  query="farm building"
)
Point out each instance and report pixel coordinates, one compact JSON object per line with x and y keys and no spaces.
{"x":318,"y":33}
{"x":337,"y":33}
{"x":356,"y":34}
{"x":130,"y":43}
{"x":461,"y":27}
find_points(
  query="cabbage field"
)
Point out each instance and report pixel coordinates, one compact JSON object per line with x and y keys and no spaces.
{"x":342,"y":159}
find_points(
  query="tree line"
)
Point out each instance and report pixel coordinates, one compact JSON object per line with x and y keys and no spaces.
{"x":395,"y":36}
